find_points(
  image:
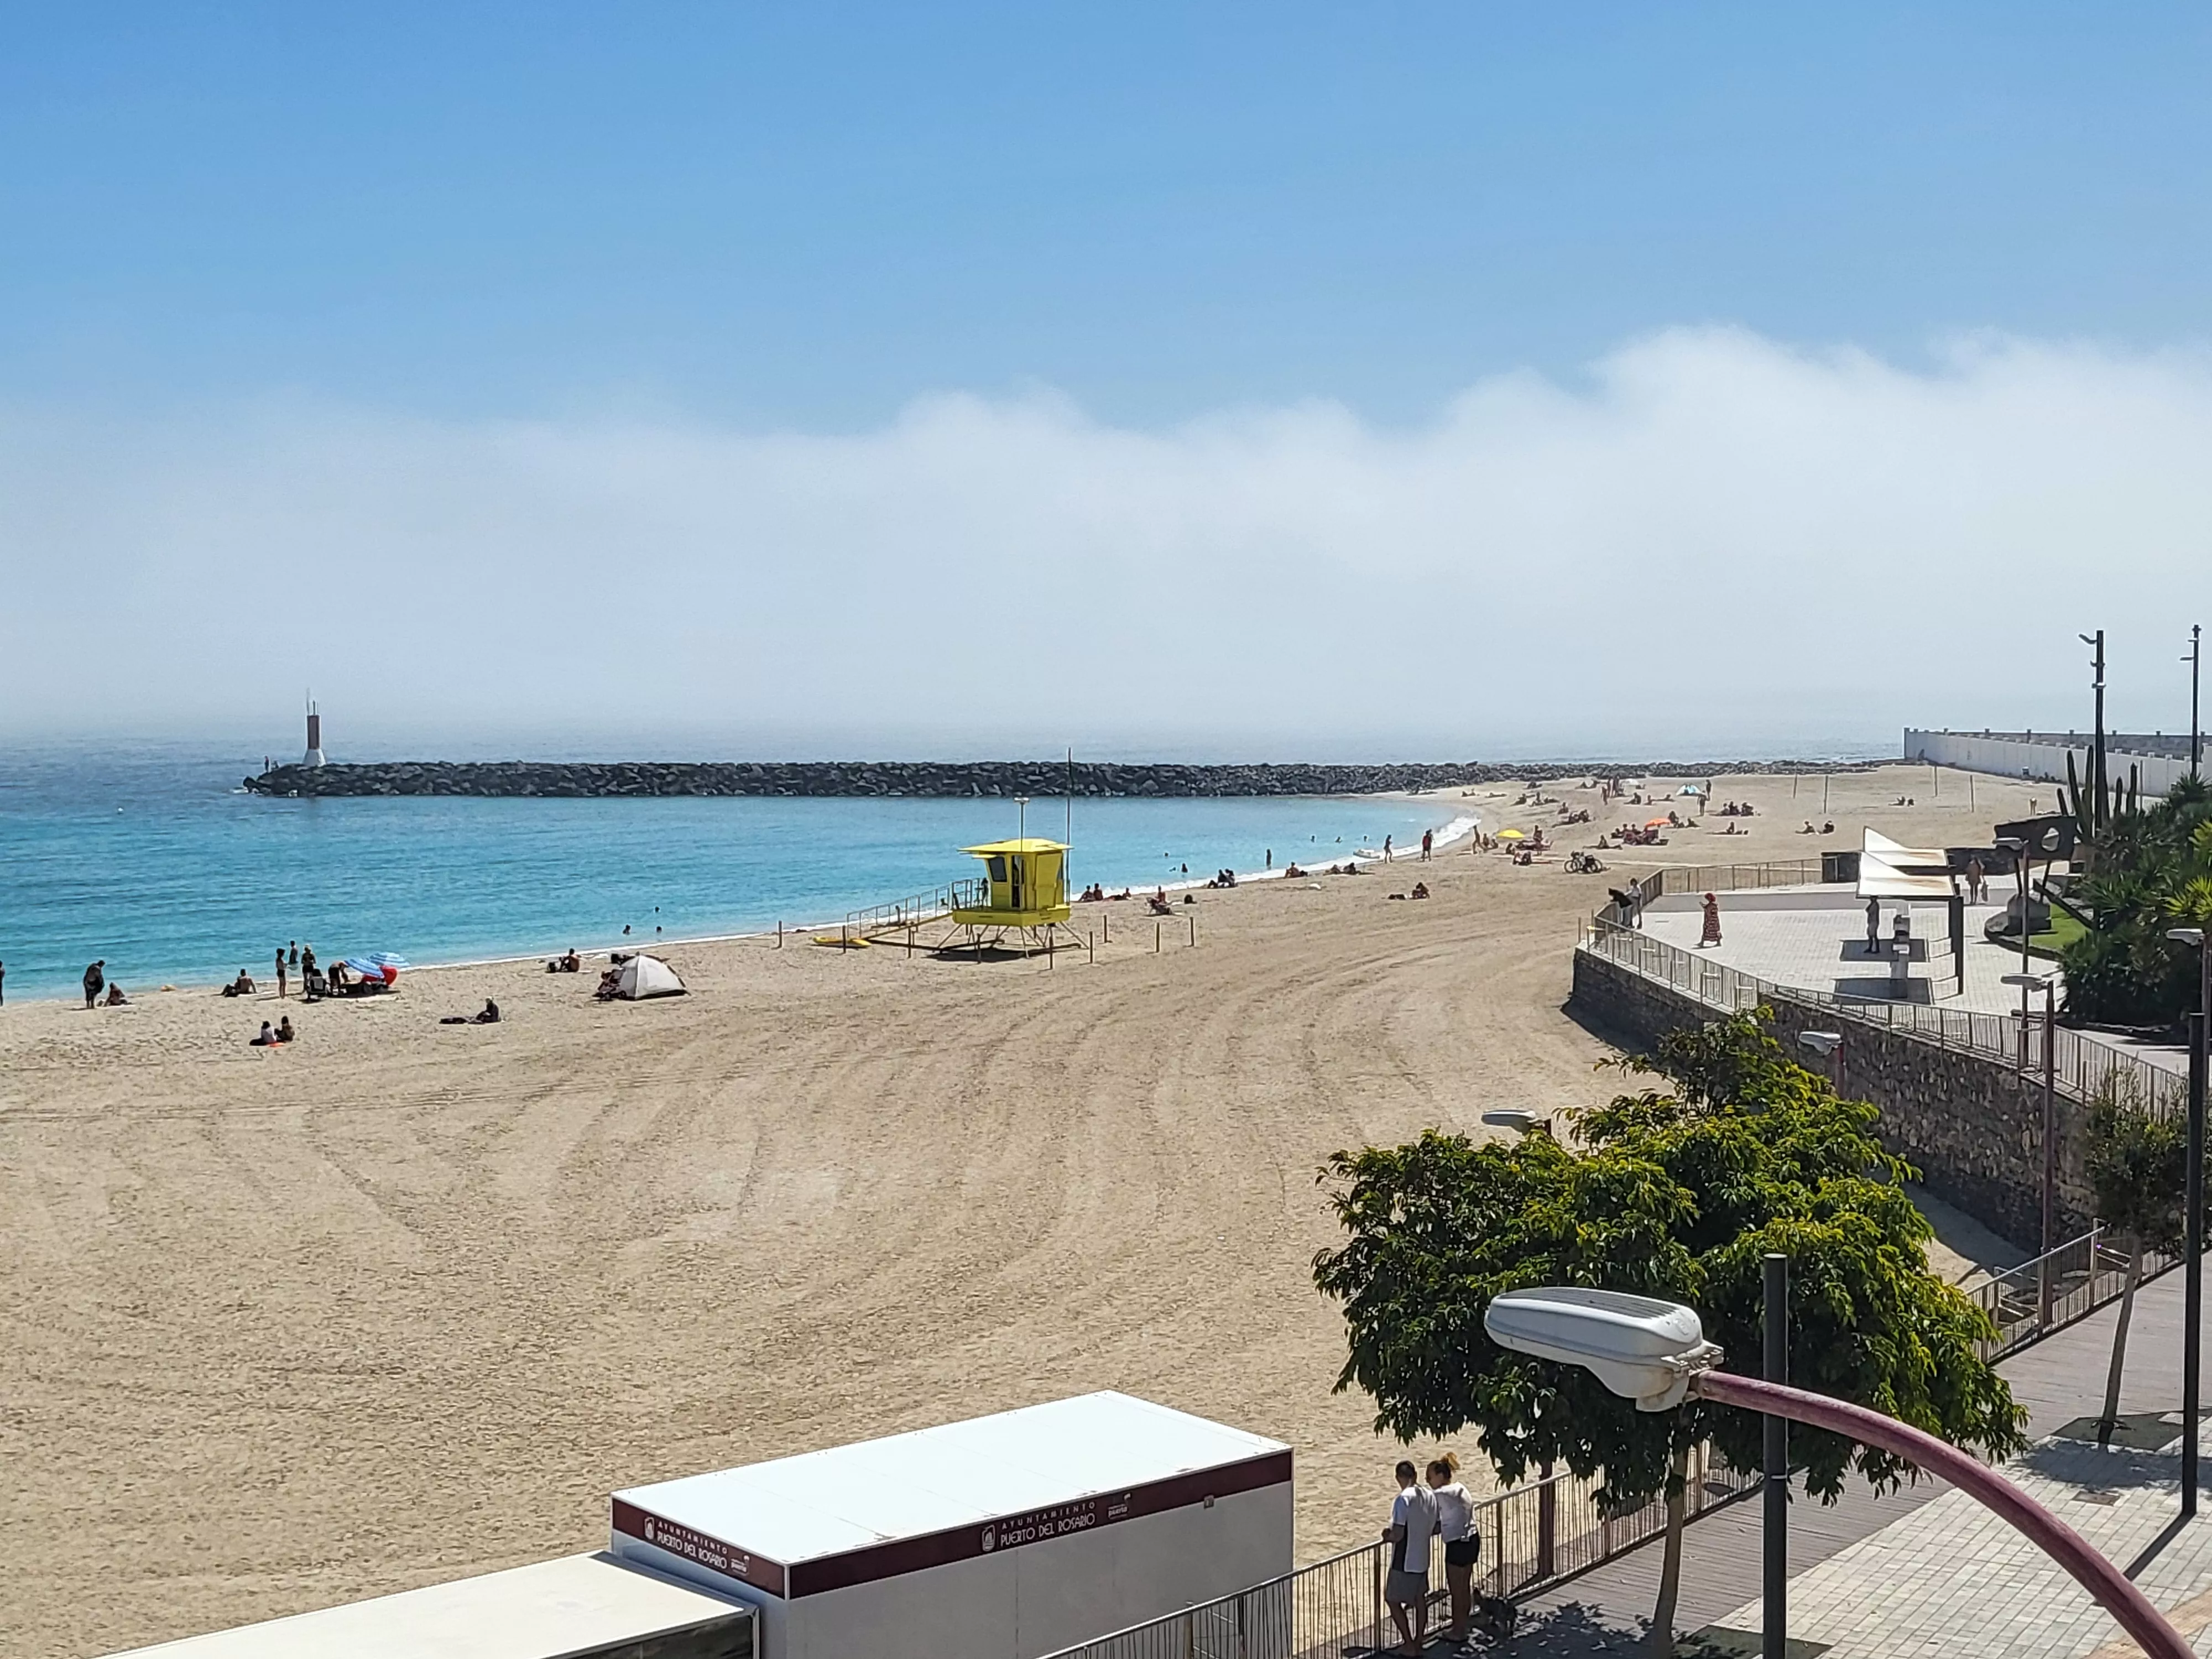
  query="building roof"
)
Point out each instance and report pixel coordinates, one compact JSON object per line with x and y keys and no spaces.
{"x":1027,"y":844}
{"x":959,"y":1475}
{"x":579,"y":1604}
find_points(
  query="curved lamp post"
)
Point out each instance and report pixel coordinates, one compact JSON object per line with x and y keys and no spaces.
{"x":1655,"y":1354}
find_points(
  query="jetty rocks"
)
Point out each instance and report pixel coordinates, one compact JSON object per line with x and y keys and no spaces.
{"x":1040,"y":779}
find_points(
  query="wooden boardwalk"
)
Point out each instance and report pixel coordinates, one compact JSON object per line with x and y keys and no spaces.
{"x":2060,"y":1379}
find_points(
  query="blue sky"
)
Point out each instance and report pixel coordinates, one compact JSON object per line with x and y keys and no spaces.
{"x":813,"y":214}
{"x":1315,"y":375}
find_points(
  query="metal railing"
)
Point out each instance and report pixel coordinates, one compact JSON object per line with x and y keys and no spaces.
{"x":1532,"y":1536}
{"x":2056,"y":1288}
{"x":968,"y":893}
{"x":2082,"y":1065}
{"x":1732,"y":878}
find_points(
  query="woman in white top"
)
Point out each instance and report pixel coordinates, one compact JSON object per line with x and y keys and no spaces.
{"x":1455,"y":1526}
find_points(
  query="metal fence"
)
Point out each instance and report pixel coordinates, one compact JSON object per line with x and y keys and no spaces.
{"x":2056,"y":1288}
{"x":2082,"y":1065}
{"x":1732,"y":878}
{"x":1532,"y":1536}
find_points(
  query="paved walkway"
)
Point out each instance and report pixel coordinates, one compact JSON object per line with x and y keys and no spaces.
{"x":1822,"y":945}
{"x":1925,"y":1571}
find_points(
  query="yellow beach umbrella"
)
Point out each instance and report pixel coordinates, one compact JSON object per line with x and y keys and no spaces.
{"x":1512,"y":834}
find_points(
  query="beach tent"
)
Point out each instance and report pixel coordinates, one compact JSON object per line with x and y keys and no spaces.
{"x":647,"y":976}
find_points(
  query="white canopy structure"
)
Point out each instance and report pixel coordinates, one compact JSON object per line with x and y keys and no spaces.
{"x":1889,"y":871}
{"x":647,"y":976}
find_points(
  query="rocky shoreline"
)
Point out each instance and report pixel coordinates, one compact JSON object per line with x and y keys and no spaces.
{"x":953,"y":779}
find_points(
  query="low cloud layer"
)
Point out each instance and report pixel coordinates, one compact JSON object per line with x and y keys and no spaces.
{"x":1714,"y":542}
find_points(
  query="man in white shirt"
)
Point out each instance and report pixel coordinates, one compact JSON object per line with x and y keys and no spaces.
{"x":1412,"y":1530}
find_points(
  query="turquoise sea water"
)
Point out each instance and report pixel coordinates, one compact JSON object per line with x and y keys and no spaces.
{"x":155,"y":860}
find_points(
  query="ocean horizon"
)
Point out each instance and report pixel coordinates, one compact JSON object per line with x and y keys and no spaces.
{"x":156,"y":858}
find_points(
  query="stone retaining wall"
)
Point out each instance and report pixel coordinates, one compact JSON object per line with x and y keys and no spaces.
{"x":1968,"y":1124}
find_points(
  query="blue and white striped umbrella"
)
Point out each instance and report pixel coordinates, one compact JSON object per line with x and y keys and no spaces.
{"x":386,"y":959}
{"x":367,"y":967}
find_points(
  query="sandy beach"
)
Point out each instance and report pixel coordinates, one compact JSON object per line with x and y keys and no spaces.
{"x":404,"y":1301}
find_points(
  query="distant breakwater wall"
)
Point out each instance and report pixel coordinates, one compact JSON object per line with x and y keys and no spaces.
{"x":948,"y":779}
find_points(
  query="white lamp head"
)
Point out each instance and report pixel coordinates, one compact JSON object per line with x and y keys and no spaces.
{"x":1820,"y":1042}
{"x":1639,"y":1347}
{"x":2191,"y":936}
{"x":1519,"y":1119}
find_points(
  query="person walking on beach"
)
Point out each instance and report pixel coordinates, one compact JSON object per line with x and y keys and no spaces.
{"x":3,"y":984}
{"x":1386,"y":859}
{"x":1455,"y":1526}
{"x":281,"y":992}
{"x":1711,"y":933}
{"x":95,"y":981}
{"x":1412,"y":1525}
{"x":1428,"y":839}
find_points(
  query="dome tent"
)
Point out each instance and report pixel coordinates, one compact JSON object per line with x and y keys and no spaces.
{"x":643,"y":976}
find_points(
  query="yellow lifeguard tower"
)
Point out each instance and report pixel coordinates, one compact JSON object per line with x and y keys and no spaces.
{"x":1023,"y":890}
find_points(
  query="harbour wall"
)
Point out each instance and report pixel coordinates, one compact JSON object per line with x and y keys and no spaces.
{"x":2042,"y":756}
{"x":952,"y":779}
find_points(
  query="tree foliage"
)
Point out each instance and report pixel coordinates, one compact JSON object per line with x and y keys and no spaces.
{"x":2148,"y":870}
{"x":1676,"y":1193}
{"x":2138,"y":1163}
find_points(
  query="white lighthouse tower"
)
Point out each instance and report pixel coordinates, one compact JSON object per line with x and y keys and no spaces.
{"x":314,"y":756}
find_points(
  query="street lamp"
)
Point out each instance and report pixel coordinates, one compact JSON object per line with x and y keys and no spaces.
{"x":1655,"y":1354}
{"x":2048,"y":984}
{"x":2192,"y":1258}
{"x":2020,"y":847}
{"x":1827,"y":1045}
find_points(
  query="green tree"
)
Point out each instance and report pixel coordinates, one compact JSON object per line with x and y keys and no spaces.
{"x":1675,"y":1193}
{"x":2138,"y":1162}
{"x":2148,"y":870}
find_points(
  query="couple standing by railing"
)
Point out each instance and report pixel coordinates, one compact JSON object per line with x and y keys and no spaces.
{"x":1424,"y":1520}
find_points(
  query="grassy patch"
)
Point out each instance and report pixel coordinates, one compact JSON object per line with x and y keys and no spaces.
{"x":2063,"y":931}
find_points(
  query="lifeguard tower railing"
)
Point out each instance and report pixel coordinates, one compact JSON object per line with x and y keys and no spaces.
{"x":969,"y":893}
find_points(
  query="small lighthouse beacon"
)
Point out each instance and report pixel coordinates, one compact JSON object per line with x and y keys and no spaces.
{"x":314,"y":756}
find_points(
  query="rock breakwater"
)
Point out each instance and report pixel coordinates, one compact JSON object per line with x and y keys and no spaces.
{"x":949,"y":779}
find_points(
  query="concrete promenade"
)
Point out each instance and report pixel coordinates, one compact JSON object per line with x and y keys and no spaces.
{"x":1925,"y":1572}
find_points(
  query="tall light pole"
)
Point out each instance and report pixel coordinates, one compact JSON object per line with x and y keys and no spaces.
{"x":2194,"y":659}
{"x":2097,"y":765}
{"x":2192,"y":1258}
{"x":2046,"y":983}
{"x":1774,"y":1567}
{"x":2017,"y":845}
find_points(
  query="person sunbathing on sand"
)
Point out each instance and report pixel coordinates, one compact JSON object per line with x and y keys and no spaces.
{"x":116,"y":998}
{"x":267,"y":1039}
{"x":284,"y":1031}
